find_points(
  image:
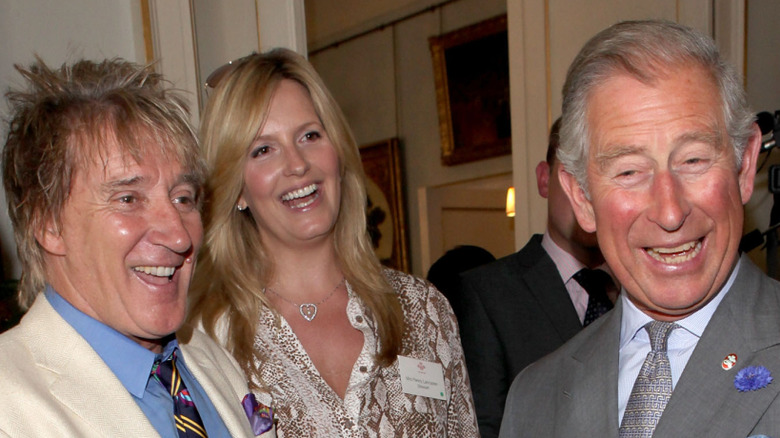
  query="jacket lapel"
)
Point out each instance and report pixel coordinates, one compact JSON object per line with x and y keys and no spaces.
{"x":746,"y":323}
{"x":216,"y":385}
{"x":550,"y":293}
{"x":99,"y":399}
{"x":589,"y":382}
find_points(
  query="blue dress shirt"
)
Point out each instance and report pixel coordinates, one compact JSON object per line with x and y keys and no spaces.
{"x":132,"y":365}
{"x":635,"y":342}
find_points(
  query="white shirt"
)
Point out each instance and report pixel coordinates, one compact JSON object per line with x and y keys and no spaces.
{"x":635,"y":342}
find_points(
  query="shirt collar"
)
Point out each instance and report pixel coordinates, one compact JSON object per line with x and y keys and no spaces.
{"x":129,"y":361}
{"x":566,"y":263}
{"x":634,"y":319}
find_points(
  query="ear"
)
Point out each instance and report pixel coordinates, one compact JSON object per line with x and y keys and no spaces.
{"x":581,"y":205}
{"x":747,"y":172}
{"x":50,"y":238}
{"x":241,"y":203}
{"x":542,"y":178}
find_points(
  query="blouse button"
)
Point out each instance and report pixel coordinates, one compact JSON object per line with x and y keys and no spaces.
{"x":363,"y":369}
{"x":359,"y":318}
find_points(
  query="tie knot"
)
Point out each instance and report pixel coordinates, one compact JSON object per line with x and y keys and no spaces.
{"x":164,"y":370}
{"x":594,"y":281}
{"x":659,"y":334}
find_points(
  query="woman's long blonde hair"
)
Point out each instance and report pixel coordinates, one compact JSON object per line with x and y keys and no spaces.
{"x":234,"y":266}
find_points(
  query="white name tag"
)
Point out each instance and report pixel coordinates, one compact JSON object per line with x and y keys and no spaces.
{"x":423,"y":378}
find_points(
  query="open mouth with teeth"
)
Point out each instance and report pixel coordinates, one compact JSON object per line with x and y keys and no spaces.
{"x":302,"y":197}
{"x":157,"y":271}
{"x":676,"y":255}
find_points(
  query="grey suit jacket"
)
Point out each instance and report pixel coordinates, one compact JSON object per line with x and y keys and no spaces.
{"x":511,"y":312}
{"x":573,"y":392}
{"x":54,"y":384}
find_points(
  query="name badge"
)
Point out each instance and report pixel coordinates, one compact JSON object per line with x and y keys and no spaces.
{"x":423,"y":378}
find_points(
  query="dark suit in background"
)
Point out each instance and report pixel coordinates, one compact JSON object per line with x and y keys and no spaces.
{"x":515,"y":310}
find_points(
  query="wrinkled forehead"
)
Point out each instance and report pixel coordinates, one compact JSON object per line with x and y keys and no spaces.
{"x":128,"y":146}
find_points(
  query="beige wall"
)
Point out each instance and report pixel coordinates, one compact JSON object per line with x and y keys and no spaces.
{"x":384,"y":83}
{"x":385,"y":80}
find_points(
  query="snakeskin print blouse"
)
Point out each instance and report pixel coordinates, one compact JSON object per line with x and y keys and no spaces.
{"x":374,"y":404}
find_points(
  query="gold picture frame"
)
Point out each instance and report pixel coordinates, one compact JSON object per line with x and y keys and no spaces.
{"x":471,"y":73}
{"x":385,"y":211}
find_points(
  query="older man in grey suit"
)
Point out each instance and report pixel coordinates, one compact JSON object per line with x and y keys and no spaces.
{"x":659,"y":151}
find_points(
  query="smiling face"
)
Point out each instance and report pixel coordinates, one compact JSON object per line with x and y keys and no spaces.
{"x":666,"y":193}
{"x":292,"y":184}
{"x":125,"y":252}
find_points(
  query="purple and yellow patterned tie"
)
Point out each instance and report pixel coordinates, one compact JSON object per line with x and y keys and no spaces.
{"x":652,"y":387}
{"x":188,"y":422}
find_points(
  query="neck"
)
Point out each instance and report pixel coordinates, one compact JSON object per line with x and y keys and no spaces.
{"x":304,"y":276}
{"x":590,"y":256}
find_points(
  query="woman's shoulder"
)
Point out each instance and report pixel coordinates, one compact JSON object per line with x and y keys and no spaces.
{"x":409,"y":286}
{"x":417,"y":296}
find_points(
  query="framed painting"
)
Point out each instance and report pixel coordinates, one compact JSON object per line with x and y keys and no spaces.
{"x":385,"y":210}
{"x":471,"y":73}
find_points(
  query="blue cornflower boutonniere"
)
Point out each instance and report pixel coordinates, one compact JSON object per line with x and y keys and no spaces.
{"x":752,"y":378}
{"x":261,"y":417}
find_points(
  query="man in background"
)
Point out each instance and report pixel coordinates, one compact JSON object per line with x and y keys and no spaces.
{"x":103,"y":180}
{"x":525,"y":305}
{"x":659,"y":152}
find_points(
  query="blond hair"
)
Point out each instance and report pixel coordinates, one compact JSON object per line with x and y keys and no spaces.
{"x":234,"y":266}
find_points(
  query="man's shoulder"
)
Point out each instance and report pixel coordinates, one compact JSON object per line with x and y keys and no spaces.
{"x":14,"y":354}
{"x":526,"y":258}
{"x":531,"y":257}
{"x":198,"y":345}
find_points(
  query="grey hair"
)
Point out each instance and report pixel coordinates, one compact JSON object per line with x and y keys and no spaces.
{"x":647,"y":51}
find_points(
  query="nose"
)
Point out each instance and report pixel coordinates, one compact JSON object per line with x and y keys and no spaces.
{"x":669,"y":206}
{"x":172,"y":228}
{"x":296,"y":162}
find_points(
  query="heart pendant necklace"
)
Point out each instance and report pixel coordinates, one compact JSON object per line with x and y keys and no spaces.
{"x":308,"y":310}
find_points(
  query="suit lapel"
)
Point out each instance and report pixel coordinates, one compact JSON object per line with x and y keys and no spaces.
{"x":589,"y":383}
{"x":746,"y":324}
{"x":216,"y":385}
{"x":98,"y":399}
{"x":550,"y":293}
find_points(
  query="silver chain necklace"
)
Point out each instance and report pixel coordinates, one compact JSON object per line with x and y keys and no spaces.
{"x":308,"y":310}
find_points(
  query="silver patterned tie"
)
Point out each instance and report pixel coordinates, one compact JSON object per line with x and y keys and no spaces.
{"x":652,"y":387}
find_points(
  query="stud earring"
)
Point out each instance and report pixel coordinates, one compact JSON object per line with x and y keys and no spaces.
{"x":240,"y":208}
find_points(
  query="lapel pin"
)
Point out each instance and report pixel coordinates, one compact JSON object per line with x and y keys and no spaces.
{"x":729,"y":361}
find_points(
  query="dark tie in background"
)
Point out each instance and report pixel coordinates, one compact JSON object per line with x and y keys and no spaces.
{"x":188,"y":422}
{"x":595,"y":282}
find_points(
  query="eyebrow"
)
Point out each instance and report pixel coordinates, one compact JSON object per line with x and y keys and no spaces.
{"x":603,"y":159}
{"x":184,"y":178}
{"x":710,"y":136}
{"x":316,"y":123}
{"x":121,"y":183}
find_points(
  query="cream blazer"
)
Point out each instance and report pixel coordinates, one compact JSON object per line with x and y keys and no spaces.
{"x":55,"y":385}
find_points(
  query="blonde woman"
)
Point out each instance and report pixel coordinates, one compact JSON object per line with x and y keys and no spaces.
{"x":288,"y":281}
